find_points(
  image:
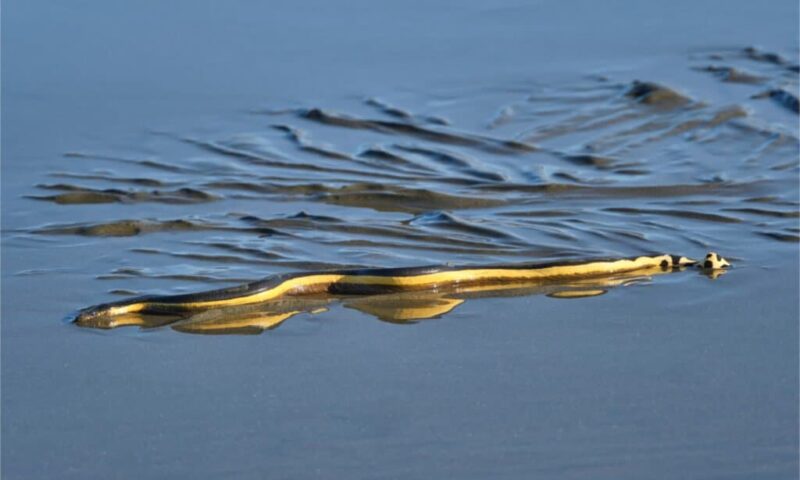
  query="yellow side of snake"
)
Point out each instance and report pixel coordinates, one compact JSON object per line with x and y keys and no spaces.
{"x":378,"y":281}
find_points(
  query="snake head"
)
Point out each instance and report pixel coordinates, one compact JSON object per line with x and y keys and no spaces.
{"x":714,"y":261}
{"x":95,"y":316}
{"x":107,"y":315}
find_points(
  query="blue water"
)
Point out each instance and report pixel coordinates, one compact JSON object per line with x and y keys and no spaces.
{"x":680,"y":377}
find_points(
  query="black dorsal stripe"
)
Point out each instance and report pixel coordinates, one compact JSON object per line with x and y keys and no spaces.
{"x":157,"y":303}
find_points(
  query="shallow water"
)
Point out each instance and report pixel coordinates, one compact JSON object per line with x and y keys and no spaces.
{"x":228,"y":145}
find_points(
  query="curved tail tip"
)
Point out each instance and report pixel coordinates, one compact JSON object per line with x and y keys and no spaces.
{"x":714,"y":261}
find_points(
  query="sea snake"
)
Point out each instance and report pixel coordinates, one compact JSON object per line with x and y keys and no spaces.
{"x":390,"y":280}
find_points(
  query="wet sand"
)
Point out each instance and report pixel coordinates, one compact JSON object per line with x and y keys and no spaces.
{"x":472,"y":135}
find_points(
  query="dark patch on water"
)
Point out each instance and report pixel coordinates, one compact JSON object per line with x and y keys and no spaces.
{"x":76,"y":194}
{"x":650,"y":93}
{"x":424,"y":133}
{"x":783,"y":98}
{"x":733,"y":75}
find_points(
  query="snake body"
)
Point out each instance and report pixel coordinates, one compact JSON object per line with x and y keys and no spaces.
{"x":389,"y":280}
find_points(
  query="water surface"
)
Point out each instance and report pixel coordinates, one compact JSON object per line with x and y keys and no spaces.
{"x":225,"y":145}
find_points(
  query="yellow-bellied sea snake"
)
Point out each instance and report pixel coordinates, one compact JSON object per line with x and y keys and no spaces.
{"x":389,"y":280}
